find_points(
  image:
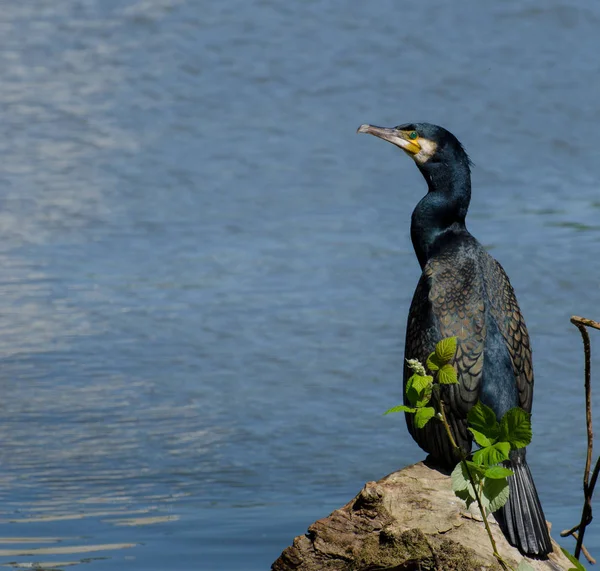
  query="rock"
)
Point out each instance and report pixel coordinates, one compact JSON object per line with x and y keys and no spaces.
{"x":409,"y":520}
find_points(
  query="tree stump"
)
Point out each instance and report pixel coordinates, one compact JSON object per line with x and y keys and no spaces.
{"x":409,"y":520}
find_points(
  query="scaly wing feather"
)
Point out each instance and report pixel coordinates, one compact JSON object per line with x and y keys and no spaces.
{"x":448,"y":302}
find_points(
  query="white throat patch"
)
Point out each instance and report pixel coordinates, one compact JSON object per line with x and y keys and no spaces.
{"x":428,"y":149}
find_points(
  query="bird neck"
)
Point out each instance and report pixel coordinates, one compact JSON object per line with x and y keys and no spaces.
{"x":442,"y":211}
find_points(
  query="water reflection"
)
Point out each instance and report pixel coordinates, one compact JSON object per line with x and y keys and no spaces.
{"x":51,"y":515}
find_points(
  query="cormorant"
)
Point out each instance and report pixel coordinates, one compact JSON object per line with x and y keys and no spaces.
{"x":464,"y":292}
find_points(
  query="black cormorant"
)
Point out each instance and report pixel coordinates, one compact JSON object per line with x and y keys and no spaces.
{"x":464,"y":292}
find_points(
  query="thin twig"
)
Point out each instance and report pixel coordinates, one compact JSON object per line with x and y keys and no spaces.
{"x":455,"y":446}
{"x":590,"y":559}
{"x":594,"y":477}
{"x":585,"y":321}
{"x":577,"y":321}
{"x":567,"y":532}
{"x":586,"y":513}
{"x":591,"y":488}
{"x":573,"y":532}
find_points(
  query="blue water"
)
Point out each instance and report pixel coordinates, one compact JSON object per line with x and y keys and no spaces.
{"x":206,"y":273}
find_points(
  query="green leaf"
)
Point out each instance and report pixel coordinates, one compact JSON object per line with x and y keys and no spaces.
{"x":495,"y":491}
{"x":423,"y":416}
{"x":447,"y":375}
{"x":420,"y":382}
{"x":571,"y":558}
{"x":481,"y":439}
{"x":418,"y":389}
{"x":411,"y":394}
{"x":400,"y":408}
{"x":461,"y":484}
{"x":459,"y":477}
{"x":498,"y":472}
{"x":466,"y":496}
{"x":515,"y":427}
{"x":424,"y":398}
{"x":491,"y":455}
{"x":432,"y":363}
{"x":524,"y":566}
{"x":476,"y":470}
{"x":445,"y":350}
{"x":483,"y":419}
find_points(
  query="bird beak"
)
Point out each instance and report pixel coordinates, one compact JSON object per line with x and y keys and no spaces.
{"x":394,"y":136}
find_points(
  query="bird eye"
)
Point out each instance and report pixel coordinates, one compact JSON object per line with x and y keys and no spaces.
{"x":412,"y":135}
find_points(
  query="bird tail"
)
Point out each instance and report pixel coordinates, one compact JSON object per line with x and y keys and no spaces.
{"x":522,"y":517}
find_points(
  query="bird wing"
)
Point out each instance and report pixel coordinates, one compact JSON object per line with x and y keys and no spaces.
{"x":507,"y":314}
{"x":448,"y":302}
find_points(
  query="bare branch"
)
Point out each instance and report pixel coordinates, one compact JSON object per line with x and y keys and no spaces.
{"x":586,"y":513}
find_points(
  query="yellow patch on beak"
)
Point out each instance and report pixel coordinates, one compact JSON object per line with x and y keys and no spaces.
{"x":408,"y":145}
{"x":402,"y":139}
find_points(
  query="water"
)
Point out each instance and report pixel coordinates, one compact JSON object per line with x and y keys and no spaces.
{"x":206,"y":273}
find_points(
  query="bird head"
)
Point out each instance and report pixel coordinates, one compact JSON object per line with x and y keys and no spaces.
{"x":426,"y":144}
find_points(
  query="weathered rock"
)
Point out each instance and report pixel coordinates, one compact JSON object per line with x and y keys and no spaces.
{"x":409,"y":520}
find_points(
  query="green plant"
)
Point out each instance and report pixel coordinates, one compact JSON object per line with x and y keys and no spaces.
{"x":481,"y":479}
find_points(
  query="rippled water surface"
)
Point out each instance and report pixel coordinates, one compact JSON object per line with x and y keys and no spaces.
{"x":206,"y":274}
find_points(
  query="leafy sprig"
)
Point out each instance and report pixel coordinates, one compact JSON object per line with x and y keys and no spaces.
{"x":483,"y":479}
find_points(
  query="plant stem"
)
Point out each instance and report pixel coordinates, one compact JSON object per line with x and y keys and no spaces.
{"x":477,"y":497}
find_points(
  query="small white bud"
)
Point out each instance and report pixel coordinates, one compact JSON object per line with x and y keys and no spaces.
{"x":416,"y":366}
